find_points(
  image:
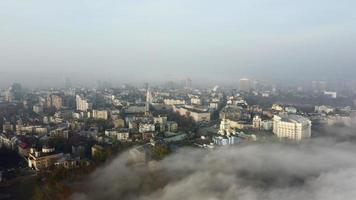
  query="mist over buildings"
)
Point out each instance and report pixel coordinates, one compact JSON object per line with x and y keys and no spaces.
{"x":321,"y":168}
{"x":43,"y":42}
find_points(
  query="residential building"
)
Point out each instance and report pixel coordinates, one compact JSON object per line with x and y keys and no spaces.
{"x":44,"y":159}
{"x":245,"y":85}
{"x":99,"y":114}
{"x":82,"y":104}
{"x":118,"y":134}
{"x":293,"y":127}
{"x":198,"y":115}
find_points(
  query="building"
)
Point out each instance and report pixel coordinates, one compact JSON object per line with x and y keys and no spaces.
{"x":291,"y":110}
{"x":146,"y":127}
{"x":135,"y":109}
{"x":40,"y":160}
{"x":318,"y":86}
{"x":9,"y":96}
{"x":257,"y":122}
{"x":228,"y":136}
{"x":330,"y":94}
{"x":140,"y":155}
{"x":324,"y":109}
{"x":196,"y":100}
{"x":118,"y":123}
{"x":118,"y":134}
{"x":214,"y":105}
{"x":245,"y":85}
{"x":175,"y":137}
{"x":37,"y":108}
{"x":99,"y":114}
{"x":67,"y":162}
{"x":82,"y":104}
{"x":148,"y":99}
{"x":7,"y":127}
{"x":278,"y":108}
{"x":171,"y":126}
{"x":188,"y":83}
{"x":174,"y":101}
{"x":54,"y":101}
{"x":97,"y":150}
{"x":267,"y":125}
{"x":293,"y":127}
{"x":198,"y":115}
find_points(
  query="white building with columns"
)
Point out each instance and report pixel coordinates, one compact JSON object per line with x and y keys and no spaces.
{"x":292,"y":127}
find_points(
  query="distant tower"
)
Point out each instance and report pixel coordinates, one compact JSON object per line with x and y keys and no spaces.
{"x":68,"y":83}
{"x":245,"y":85}
{"x":188,"y":83}
{"x":148,"y":99}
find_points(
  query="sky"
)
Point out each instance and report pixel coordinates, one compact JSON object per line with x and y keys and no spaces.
{"x":44,"y":41}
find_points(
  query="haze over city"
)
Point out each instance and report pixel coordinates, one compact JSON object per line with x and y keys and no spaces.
{"x":43,"y":42}
{"x":177,"y":99}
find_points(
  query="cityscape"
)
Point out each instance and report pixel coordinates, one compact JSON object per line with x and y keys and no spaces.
{"x":51,"y":139}
{"x":171,"y":100}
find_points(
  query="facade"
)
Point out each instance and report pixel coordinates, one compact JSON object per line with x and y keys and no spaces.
{"x":37,"y":108}
{"x":172,"y":126}
{"x":44,"y":159}
{"x":197,"y":115}
{"x":135,"y":109}
{"x":214,"y":105}
{"x":55,"y":101}
{"x":82,"y":104}
{"x":96,"y":150}
{"x":140,"y":155}
{"x":330,"y":94}
{"x":293,"y":127}
{"x":7,"y":127}
{"x":324,"y":109}
{"x":245,"y":84}
{"x":267,"y":125}
{"x":100,"y":114}
{"x":118,"y":134}
{"x":228,"y":136}
{"x":291,"y":110}
{"x":257,"y":122}
{"x":195,"y":101}
{"x":277,"y":108}
{"x":146,"y":127}
{"x":174,"y":101}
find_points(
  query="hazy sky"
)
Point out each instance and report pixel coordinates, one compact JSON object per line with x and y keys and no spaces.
{"x":43,"y":40}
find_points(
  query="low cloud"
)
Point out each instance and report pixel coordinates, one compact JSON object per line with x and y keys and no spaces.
{"x":320,"y":169}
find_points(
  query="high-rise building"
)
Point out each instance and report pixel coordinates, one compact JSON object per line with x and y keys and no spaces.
{"x":292,"y":127}
{"x":82,"y":104}
{"x":55,"y":101}
{"x":318,"y":86}
{"x":148,"y":99}
{"x":257,"y":122}
{"x":9,"y":96}
{"x":188,"y":83}
{"x":68,"y":83}
{"x":245,"y":84}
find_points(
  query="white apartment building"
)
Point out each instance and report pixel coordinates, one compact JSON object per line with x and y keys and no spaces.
{"x":82,"y":104}
{"x":198,"y":115}
{"x":293,"y":127}
{"x":100,"y":114}
{"x":196,"y":100}
{"x":118,"y":134}
{"x":174,"y":101}
{"x":146,"y":127}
